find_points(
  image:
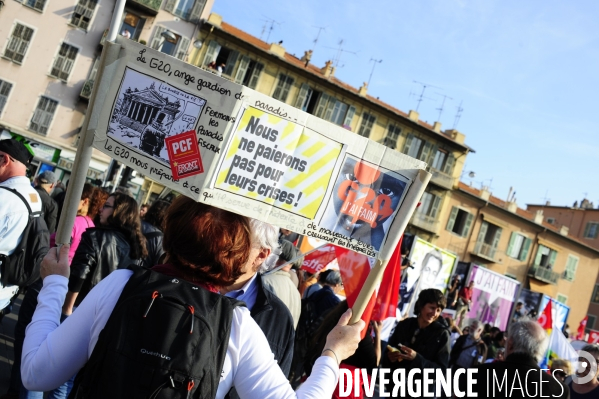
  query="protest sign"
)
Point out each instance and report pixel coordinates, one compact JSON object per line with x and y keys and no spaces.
{"x":559,"y":311}
{"x":593,"y":337}
{"x":493,"y":296}
{"x":258,"y":157}
{"x":432,"y":267}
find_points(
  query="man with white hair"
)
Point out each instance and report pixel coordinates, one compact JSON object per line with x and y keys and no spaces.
{"x":519,"y":376}
{"x":269,"y":312}
{"x":469,"y":350}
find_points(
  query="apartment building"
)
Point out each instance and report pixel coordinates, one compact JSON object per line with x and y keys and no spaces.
{"x":49,"y":58}
{"x":518,"y":243}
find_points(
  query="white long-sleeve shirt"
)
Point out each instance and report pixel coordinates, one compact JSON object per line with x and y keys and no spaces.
{"x":53,"y":352}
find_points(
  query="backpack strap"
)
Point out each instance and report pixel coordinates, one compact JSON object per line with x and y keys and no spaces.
{"x":18,"y":194}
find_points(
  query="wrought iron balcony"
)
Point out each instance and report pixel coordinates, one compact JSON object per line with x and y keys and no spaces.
{"x":484,"y":250}
{"x":86,"y":90}
{"x":441,"y":179}
{"x":425,"y":222}
{"x":150,"y":7}
{"x":543,"y":274}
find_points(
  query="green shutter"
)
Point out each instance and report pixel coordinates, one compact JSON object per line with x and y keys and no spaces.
{"x":244,"y":62}
{"x":349,"y":116}
{"x":435,"y":207}
{"x":211,"y":53}
{"x":169,"y":5}
{"x":467,"y":225}
{"x":301,"y":97}
{"x":196,"y":11}
{"x":525,"y":248}
{"x":182,"y":47}
{"x":329,"y":109}
{"x":322,"y":103}
{"x":157,"y":38}
{"x":279,"y":88}
{"x":481,"y":236}
{"x":255,"y":75}
{"x":452,"y":216}
{"x":496,"y":240}
{"x":511,"y":244}
{"x":408,"y":143}
{"x":552,"y":257}
{"x":539,"y":255}
{"x":449,"y":164}
{"x":426,"y":152}
{"x":230,"y":64}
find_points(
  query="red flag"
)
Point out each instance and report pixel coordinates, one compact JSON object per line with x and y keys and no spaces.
{"x":581,"y":328}
{"x":315,"y":261}
{"x":545,"y":319}
{"x":388,"y":296}
{"x":354,"y":269}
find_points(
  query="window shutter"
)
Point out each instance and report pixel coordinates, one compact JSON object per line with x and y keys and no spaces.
{"x":496,"y":239}
{"x":539,"y":255}
{"x":256,"y":75}
{"x":435,"y":207}
{"x":452,"y":216}
{"x":587,"y":230}
{"x":196,"y":11}
{"x":279,"y":88}
{"x":449,"y":164}
{"x":322,"y":103}
{"x":169,"y":5}
{"x":230,"y":64}
{"x":157,"y":39}
{"x":182,"y":47}
{"x":350,"y":115}
{"x":244,"y":62}
{"x":329,"y":110}
{"x":288,"y":83}
{"x":426,"y":152}
{"x":481,"y":236}
{"x":408,"y":143}
{"x":510,"y":246}
{"x":552,"y":257}
{"x":525,"y":248}
{"x":467,"y":225}
{"x":301,"y":97}
{"x":79,"y":9}
{"x":211,"y":52}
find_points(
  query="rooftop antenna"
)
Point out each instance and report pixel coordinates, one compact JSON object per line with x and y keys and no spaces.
{"x":545,"y":198}
{"x":371,"y":72}
{"x":440,"y":109}
{"x":340,"y":52}
{"x":424,"y":86}
{"x":458,"y":115}
{"x":272,"y":23}
{"x":320,"y":29}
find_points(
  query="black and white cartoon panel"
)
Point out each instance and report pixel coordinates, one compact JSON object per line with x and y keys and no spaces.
{"x":148,"y":110}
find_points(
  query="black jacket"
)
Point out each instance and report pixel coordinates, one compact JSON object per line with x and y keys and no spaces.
{"x":101,"y":251}
{"x":153,"y":244}
{"x":275,"y":321}
{"x":519,"y":381}
{"x":50,"y":209}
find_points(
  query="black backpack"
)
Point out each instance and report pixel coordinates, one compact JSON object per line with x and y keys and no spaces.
{"x":306,"y":326}
{"x":22,"y":267}
{"x":165,"y":338}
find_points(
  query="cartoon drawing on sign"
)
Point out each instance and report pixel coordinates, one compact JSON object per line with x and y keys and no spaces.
{"x":364,"y":200}
{"x":147,"y":111}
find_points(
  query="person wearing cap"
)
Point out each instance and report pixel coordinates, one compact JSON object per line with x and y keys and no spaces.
{"x":279,"y":281}
{"x":14,"y":158}
{"x":46,"y":181}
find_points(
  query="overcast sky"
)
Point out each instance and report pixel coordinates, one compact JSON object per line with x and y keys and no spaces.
{"x":525,"y":72}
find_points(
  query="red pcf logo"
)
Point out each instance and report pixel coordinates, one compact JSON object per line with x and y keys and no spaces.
{"x":184,"y":155}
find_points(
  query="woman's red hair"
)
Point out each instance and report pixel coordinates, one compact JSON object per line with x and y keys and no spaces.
{"x":209,"y":245}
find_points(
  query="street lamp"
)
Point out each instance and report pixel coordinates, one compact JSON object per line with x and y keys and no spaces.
{"x":168,"y":36}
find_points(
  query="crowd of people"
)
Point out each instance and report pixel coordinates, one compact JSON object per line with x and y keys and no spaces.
{"x":181,"y":297}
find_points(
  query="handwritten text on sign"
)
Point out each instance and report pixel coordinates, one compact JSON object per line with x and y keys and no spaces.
{"x":278,"y":162}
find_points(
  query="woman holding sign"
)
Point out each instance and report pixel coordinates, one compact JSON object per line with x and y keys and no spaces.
{"x":167,"y":331}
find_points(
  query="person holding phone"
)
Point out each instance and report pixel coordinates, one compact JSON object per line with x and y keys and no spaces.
{"x":421,"y":341}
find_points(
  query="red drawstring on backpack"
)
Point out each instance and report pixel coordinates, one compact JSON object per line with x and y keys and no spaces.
{"x":192,"y":310}
{"x":190,"y":385}
{"x":154,"y":296}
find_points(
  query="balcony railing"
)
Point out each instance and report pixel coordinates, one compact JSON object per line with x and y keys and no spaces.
{"x":441,"y":179}
{"x":487,"y":251}
{"x":543,"y":274}
{"x":425,"y":222}
{"x":86,"y":90}
{"x":149,"y":6}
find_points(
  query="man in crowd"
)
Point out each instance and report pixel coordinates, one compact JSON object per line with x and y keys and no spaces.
{"x":46,"y":182}
{"x":469,"y":350}
{"x":14,"y":215}
{"x":269,"y":312}
{"x":464,"y":302}
{"x":281,"y":284}
{"x":519,"y":376}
